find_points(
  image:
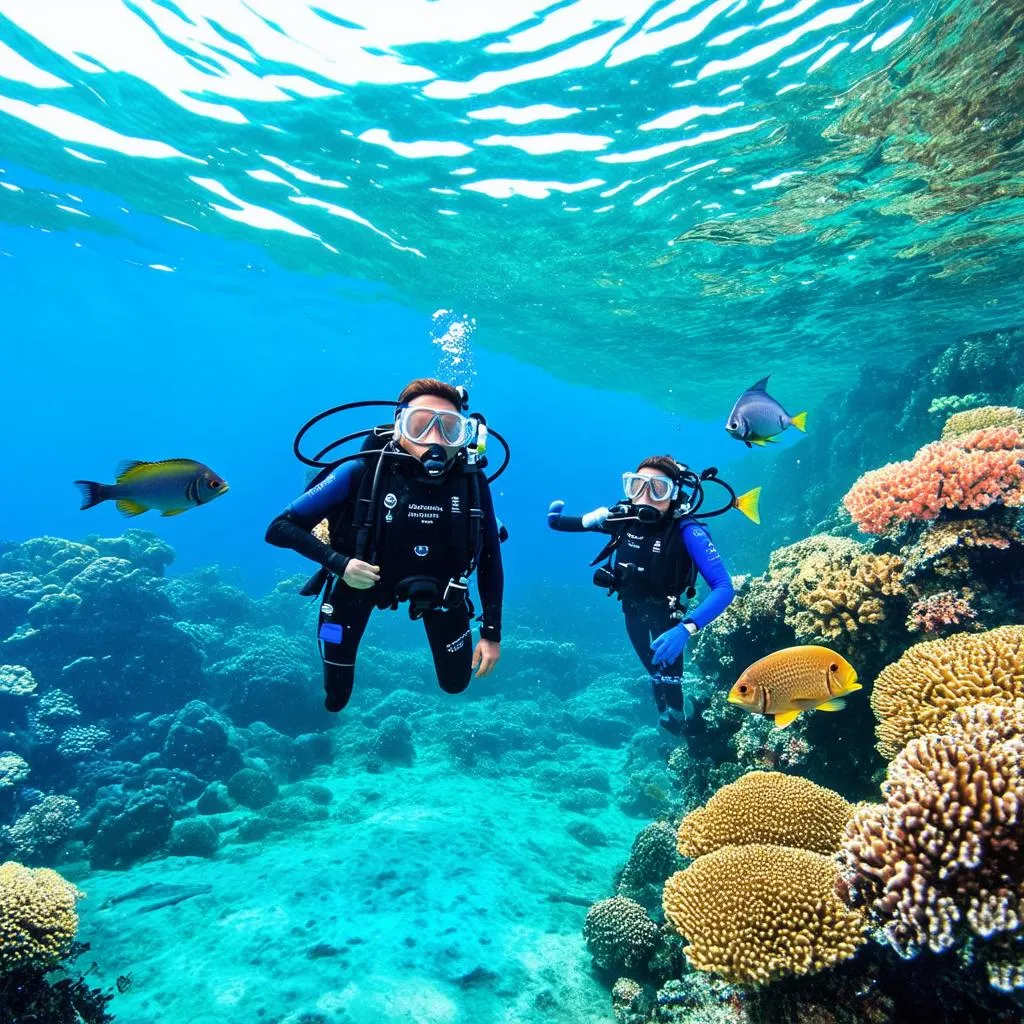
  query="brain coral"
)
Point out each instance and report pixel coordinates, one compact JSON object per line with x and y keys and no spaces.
{"x":754,"y":914}
{"x":932,"y":680}
{"x":766,"y":807}
{"x":941,"y":859}
{"x":38,"y":919}
{"x":619,"y":933}
{"x":973,"y":471}
{"x":986,"y":416}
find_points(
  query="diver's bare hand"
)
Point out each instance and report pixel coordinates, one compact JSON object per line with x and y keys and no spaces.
{"x":361,"y":575}
{"x":486,"y":656}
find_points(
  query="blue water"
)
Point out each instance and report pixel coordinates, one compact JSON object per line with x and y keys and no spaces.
{"x":218,"y":218}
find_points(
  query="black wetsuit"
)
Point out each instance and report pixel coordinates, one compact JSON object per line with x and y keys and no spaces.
{"x":419,"y":526}
{"x":654,"y":564}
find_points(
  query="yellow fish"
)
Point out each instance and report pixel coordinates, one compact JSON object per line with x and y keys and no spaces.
{"x":173,"y":486}
{"x":795,"y":679}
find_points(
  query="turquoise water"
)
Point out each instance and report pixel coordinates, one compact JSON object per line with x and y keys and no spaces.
{"x":219,"y":217}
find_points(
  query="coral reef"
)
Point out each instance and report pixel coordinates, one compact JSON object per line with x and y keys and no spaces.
{"x":968,"y":472}
{"x":754,"y":914}
{"x":38,"y":917}
{"x":980,"y":417}
{"x":619,"y":934}
{"x":940,"y":860}
{"x":651,"y":860}
{"x":833,"y":595}
{"x":942,"y":612}
{"x":766,"y":808}
{"x":933,"y":679}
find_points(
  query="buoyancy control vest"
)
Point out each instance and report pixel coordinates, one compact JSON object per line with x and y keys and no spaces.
{"x":425,"y":533}
{"x":648,"y":562}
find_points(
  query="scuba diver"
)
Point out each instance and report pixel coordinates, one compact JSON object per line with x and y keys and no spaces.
{"x":410,"y":518}
{"x":656,"y":550}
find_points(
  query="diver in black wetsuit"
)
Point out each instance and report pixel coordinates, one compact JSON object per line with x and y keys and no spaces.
{"x":409,"y":522}
{"x":657,"y":549}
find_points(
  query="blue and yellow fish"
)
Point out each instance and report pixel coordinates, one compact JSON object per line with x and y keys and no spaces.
{"x":172,"y":486}
{"x":756,"y":417}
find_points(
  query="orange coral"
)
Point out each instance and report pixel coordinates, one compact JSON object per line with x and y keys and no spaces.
{"x":971,"y":472}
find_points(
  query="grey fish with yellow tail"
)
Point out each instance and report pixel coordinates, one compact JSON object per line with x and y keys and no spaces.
{"x":171,"y":487}
{"x":795,"y":679}
{"x":756,"y":417}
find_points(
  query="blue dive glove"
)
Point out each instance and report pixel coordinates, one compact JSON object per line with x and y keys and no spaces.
{"x":555,"y":511}
{"x":668,"y":648}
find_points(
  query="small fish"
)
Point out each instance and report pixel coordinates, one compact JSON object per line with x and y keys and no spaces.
{"x":173,"y":486}
{"x":795,"y":679}
{"x":756,"y":417}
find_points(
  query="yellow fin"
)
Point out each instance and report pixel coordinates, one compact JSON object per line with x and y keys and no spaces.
{"x":799,"y":421}
{"x":784,"y":718}
{"x":173,"y":512}
{"x":750,"y":505}
{"x":759,"y":441}
{"x":130,"y":508}
{"x":836,"y":704}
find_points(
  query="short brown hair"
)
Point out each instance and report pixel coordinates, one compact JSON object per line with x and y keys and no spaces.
{"x":664,"y":464}
{"x":430,"y":386}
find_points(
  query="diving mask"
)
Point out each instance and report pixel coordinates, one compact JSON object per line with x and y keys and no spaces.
{"x":660,"y":488}
{"x":416,"y":422}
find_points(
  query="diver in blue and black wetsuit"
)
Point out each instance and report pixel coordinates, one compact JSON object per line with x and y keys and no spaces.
{"x":655,"y":552}
{"x":409,"y":521}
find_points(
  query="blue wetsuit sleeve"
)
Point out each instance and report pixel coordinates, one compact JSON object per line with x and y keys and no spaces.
{"x":709,"y":564}
{"x":491,"y":573}
{"x":291,"y":529}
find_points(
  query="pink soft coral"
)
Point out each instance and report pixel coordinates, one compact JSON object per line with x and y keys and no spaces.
{"x":971,"y":472}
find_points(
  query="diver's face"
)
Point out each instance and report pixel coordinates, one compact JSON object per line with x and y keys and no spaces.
{"x":434,"y":435}
{"x":645,"y":498}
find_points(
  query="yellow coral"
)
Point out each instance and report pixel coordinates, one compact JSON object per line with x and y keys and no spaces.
{"x":38,"y":919}
{"x":932,"y":680}
{"x":982,"y":417}
{"x":834,"y":593}
{"x":754,"y":914}
{"x":766,"y":807}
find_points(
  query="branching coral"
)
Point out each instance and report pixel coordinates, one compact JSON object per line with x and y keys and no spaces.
{"x":946,"y":548}
{"x":38,"y":919}
{"x":971,"y":472}
{"x":766,"y":807}
{"x":919,"y":692}
{"x":754,"y":914}
{"x":941,"y":859}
